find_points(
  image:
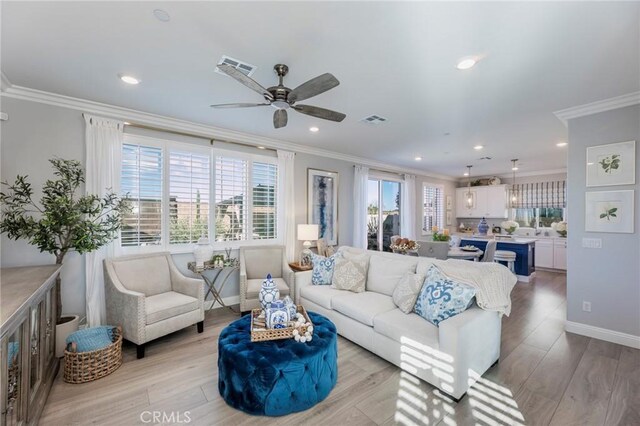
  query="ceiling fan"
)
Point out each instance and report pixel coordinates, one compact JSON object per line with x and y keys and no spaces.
{"x":282,"y":98}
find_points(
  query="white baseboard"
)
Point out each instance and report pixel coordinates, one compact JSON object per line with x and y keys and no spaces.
{"x":603,"y":334}
{"x":229,"y":301}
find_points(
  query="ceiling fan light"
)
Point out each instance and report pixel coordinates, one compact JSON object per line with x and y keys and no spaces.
{"x":129,"y":79}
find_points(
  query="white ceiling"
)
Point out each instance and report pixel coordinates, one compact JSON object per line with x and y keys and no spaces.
{"x":393,"y":59}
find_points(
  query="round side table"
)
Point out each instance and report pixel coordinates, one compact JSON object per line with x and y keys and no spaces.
{"x":276,"y":377}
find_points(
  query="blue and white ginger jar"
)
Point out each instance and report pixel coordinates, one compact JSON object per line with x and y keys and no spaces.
{"x":291,"y":307}
{"x":269,"y":293}
{"x":277,"y":315}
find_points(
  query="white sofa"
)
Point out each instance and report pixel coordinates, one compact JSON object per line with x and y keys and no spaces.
{"x":450,"y":357}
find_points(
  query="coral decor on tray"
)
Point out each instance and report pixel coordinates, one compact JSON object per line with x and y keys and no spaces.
{"x":404,"y":244}
{"x":560,"y":228}
{"x":440,"y":235}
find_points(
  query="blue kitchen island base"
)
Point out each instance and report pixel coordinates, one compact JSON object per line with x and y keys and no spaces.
{"x":525,"y":255}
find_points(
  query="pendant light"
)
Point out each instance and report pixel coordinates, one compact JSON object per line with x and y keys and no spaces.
{"x":469,"y":201}
{"x":514,"y":191}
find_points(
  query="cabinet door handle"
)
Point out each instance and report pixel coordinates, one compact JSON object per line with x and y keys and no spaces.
{"x":47,"y":331}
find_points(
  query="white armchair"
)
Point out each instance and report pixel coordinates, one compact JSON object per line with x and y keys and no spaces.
{"x":255,"y":264}
{"x":149,"y":297}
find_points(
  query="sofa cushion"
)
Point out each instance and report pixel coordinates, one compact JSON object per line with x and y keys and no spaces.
{"x":385,"y":273}
{"x":362,"y":307}
{"x":322,"y":269}
{"x":442,"y":298}
{"x":407,"y":290}
{"x":424,"y":263}
{"x":350,"y":273}
{"x":254,"y":286}
{"x":320,"y":294}
{"x":167,"y":305}
{"x":148,"y":275}
{"x":395,"y":325}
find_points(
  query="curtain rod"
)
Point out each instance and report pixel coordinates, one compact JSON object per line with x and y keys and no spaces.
{"x":383,"y":171}
{"x":193,"y":135}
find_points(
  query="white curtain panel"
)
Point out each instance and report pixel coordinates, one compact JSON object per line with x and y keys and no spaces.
{"x":103,"y":139}
{"x":360,"y":184}
{"x":287,"y":200}
{"x":408,"y":207}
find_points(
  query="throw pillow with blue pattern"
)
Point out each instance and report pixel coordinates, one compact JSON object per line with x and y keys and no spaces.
{"x":322,"y":269}
{"x":442,"y":298}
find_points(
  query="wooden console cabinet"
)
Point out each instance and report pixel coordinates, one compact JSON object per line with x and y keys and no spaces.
{"x":27,"y":341}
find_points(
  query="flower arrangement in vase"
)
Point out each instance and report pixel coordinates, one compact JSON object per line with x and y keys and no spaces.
{"x":440,"y":236}
{"x":510,"y":226}
{"x":403,"y":245}
{"x":560,"y":228}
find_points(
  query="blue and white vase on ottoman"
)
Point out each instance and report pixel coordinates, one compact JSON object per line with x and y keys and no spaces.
{"x":291,"y":307}
{"x":269,"y":293}
{"x":483,"y":227}
{"x":277,"y":315}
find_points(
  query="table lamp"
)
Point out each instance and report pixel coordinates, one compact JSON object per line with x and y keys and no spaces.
{"x":307,"y":233}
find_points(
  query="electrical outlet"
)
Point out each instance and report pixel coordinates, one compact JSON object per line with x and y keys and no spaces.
{"x":594,"y":243}
{"x":586,"y":306}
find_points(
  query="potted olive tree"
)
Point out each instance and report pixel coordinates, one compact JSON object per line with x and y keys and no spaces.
{"x":61,"y":222}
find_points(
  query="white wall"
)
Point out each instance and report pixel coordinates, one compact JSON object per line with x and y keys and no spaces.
{"x":36,"y":132}
{"x":609,"y":278}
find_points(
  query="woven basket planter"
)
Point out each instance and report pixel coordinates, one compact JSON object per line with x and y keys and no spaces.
{"x":82,"y":367}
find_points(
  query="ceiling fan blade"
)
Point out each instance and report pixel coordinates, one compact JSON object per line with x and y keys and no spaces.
{"x":315,"y":111}
{"x":237,"y":105}
{"x":280,"y":118}
{"x":250,"y":83}
{"x":313,"y":87}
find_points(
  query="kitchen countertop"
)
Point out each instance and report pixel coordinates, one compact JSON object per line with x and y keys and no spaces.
{"x":516,"y":240}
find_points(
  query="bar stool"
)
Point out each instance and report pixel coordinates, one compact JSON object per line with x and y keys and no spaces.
{"x":506,"y":256}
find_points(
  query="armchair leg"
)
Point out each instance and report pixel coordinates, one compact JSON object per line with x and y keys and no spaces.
{"x":140,"y":351}
{"x":200,"y":326}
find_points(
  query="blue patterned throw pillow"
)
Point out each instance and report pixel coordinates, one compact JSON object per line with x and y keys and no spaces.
{"x":322,"y":269}
{"x":442,"y":298}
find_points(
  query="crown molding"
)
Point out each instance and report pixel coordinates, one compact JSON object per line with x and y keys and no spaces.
{"x":567,"y":114}
{"x":4,"y":82}
{"x":519,"y":175}
{"x":206,"y":131}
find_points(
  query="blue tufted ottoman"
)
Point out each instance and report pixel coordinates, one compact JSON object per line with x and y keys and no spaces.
{"x":277,"y":377}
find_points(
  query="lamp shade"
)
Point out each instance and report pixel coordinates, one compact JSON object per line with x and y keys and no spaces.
{"x":308,"y":232}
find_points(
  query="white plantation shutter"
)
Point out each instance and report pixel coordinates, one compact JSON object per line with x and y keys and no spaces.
{"x":432,"y":201}
{"x":264,"y":177}
{"x":231,"y":199}
{"x":141,"y":180}
{"x":189,"y":177}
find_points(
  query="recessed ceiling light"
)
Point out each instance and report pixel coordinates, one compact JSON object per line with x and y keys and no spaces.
{"x":161,"y":15}
{"x":126,"y":123}
{"x":478,"y":147}
{"x":129,"y":79}
{"x":514,"y":168}
{"x":261,"y":147}
{"x":466,"y":174}
{"x":561,"y":144}
{"x":466,"y":63}
{"x":590,"y":164}
{"x":313,"y":129}
{"x":418,"y":158}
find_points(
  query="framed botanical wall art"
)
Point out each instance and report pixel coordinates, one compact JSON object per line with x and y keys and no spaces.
{"x":449,"y":202}
{"x":611,"y":164}
{"x":449,"y":218}
{"x":322,"y":203}
{"x":609,"y":211}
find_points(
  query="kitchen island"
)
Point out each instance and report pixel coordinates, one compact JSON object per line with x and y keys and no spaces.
{"x":524,"y":248}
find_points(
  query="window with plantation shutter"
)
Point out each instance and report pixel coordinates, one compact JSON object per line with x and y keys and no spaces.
{"x":433,"y":207}
{"x":231,"y":177}
{"x":189,"y":188}
{"x":141,"y":181}
{"x":264,"y":186}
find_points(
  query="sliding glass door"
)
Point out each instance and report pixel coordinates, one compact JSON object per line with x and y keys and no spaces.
{"x":383,"y":213}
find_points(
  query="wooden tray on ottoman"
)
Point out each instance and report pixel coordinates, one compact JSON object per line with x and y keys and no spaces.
{"x":259,"y":334}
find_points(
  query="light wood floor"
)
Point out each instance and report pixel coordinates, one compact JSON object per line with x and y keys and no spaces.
{"x":545,"y":376}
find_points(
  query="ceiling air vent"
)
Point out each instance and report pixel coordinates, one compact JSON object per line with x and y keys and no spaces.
{"x":243,"y":67}
{"x":374,"y":119}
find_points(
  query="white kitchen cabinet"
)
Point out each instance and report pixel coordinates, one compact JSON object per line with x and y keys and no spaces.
{"x":544,"y":254}
{"x":551,"y":253}
{"x":560,"y":254}
{"x":487,"y":201}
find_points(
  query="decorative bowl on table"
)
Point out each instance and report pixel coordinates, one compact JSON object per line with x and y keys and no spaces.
{"x":469,"y":248}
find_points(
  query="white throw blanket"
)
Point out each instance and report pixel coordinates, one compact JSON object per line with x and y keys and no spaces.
{"x":493,"y":282}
